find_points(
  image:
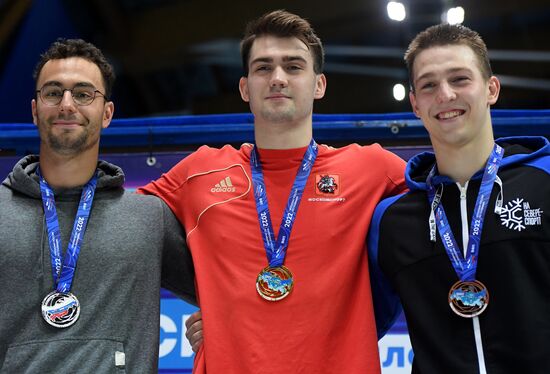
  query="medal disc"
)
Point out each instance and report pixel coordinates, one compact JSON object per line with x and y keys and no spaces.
{"x":468,"y":299}
{"x":274,"y":283}
{"x":60,"y":309}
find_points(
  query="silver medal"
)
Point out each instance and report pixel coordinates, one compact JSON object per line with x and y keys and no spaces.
{"x":60,"y":309}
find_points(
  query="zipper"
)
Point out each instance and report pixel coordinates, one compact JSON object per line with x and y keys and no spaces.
{"x":465,"y":239}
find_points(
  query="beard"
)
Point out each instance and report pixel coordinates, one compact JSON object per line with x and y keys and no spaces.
{"x":65,"y":141}
{"x":68,"y":143}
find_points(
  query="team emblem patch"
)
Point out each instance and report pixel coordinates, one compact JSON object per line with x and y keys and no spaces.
{"x":327,"y":184}
{"x":518,"y":214}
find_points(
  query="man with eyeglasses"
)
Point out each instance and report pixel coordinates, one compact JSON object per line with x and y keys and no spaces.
{"x":82,"y":94}
{"x":82,"y":261}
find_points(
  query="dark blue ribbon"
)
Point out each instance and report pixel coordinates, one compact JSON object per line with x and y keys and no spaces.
{"x":63,"y":271}
{"x":276,"y":251}
{"x":465,"y":266}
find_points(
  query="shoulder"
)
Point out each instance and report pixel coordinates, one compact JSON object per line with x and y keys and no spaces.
{"x":370,"y":152}
{"x":130,"y":198}
{"x":372,"y":159}
{"x":227,"y":151}
{"x":541,"y":163}
{"x":148,"y":206}
{"x":207,"y":157}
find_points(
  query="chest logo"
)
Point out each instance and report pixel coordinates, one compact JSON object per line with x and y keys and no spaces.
{"x":327,"y":184}
{"x":225,"y":185}
{"x":518,"y":214}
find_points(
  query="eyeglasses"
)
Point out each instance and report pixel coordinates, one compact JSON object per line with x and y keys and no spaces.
{"x":82,"y":95}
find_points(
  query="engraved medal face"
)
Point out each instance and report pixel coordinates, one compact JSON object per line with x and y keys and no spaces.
{"x":60,"y":309}
{"x":468,"y":299}
{"x":274,"y":283}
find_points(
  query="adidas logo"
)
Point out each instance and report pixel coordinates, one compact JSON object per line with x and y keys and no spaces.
{"x":225,"y":185}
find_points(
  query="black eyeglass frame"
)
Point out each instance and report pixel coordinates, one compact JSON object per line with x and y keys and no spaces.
{"x":39,"y":94}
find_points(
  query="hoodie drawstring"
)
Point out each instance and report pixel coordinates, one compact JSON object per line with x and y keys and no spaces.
{"x":433,"y":207}
{"x":500,"y":196}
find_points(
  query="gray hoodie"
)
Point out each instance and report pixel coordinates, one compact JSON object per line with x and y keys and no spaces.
{"x":133,"y":244}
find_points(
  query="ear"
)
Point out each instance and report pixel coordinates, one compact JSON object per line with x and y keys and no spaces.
{"x":243,"y":89}
{"x":108,"y":112}
{"x":320,"y":86}
{"x":33,"y":111}
{"x":494,"y":90}
{"x":412,"y":99}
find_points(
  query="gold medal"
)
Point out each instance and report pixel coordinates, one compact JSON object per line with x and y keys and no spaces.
{"x":274,"y":283}
{"x":468,"y":299}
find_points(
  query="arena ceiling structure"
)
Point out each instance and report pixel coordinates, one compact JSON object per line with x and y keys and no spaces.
{"x":182,"y":56}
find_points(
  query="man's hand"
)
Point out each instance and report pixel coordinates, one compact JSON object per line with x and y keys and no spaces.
{"x":194,"y":330}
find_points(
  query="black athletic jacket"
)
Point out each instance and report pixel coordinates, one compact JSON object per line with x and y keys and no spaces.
{"x":513,"y":334}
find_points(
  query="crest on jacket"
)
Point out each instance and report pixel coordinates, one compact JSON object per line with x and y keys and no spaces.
{"x":327,"y":184}
{"x":518,"y":214}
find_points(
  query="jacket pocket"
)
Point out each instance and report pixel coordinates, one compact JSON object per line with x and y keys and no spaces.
{"x":65,"y":356}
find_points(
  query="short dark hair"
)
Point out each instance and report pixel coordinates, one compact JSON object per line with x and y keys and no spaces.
{"x":446,"y":34}
{"x":283,"y":24}
{"x":67,"y":48}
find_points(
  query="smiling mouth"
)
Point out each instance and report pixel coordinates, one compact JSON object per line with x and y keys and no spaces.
{"x":66,"y":125}
{"x":450,"y":114}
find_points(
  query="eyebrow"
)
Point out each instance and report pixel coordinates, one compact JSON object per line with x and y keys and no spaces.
{"x":59,"y":84}
{"x":285,"y":59}
{"x":448,"y":71}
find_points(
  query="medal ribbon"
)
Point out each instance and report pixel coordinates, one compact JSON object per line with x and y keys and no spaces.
{"x":465,"y":266}
{"x":63,"y":272}
{"x":276,"y":251}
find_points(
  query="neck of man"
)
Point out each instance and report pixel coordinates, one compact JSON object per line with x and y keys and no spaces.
{"x":283,"y":135}
{"x":461,"y":162}
{"x":68,"y":171}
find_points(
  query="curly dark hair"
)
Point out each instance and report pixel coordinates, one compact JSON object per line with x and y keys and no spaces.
{"x":66,"y":48}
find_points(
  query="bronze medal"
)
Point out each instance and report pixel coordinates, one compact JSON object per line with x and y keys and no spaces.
{"x":468,"y":299}
{"x":274,"y":283}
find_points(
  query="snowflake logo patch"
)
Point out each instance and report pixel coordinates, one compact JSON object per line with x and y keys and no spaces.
{"x":518,"y":214}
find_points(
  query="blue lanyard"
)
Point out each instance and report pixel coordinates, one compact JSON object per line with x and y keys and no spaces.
{"x":465,"y":266}
{"x":63,"y":272}
{"x":276,"y":251}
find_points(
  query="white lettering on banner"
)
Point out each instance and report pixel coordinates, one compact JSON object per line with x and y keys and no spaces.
{"x":167,"y":345}
{"x":395,"y":354}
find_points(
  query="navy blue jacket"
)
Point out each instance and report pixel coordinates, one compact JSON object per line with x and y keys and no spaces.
{"x":513,"y":333}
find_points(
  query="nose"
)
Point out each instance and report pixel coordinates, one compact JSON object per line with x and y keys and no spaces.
{"x":278,"y":77}
{"x":445,"y":93}
{"x":67,"y":102}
